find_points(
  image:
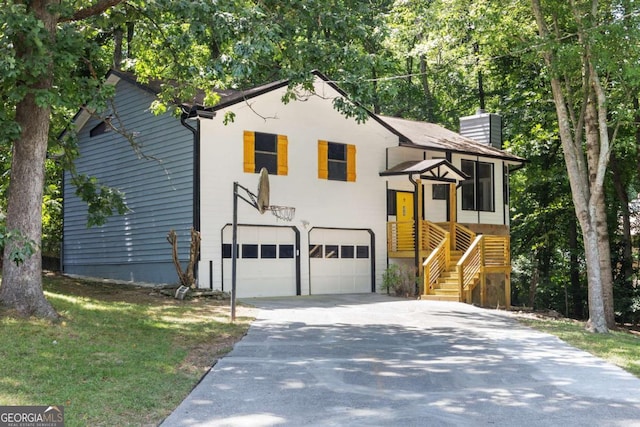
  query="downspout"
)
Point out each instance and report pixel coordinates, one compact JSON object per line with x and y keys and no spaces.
{"x":196,"y":172}
{"x":416,"y":225}
{"x":196,"y":165}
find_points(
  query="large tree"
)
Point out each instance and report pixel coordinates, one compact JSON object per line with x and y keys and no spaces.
{"x":55,"y":53}
{"x":30,"y":36}
{"x":583,"y":44}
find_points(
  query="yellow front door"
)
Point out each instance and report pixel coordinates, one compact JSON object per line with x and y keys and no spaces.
{"x":404,"y":218}
{"x":404,"y":206}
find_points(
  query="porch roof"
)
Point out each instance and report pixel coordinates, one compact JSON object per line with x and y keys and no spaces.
{"x":432,"y":169}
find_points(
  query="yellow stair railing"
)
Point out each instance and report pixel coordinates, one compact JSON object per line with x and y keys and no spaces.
{"x":436,"y":263}
{"x":469,"y":267}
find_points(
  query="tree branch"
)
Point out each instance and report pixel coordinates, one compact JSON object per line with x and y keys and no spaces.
{"x":87,"y":12}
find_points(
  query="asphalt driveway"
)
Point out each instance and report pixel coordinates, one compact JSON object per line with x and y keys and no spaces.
{"x":372,"y":360}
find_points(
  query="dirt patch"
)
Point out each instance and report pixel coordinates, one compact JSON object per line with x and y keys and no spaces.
{"x":103,"y":290}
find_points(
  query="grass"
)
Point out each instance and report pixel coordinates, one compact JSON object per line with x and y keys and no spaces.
{"x":620,"y":347}
{"x":120,"y":356}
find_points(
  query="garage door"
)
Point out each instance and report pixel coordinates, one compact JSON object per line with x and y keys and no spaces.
{"x":340,"y":261}
{"x":266,"y":265}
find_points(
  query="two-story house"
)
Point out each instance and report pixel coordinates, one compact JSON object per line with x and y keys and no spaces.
{"x":366,"y":195}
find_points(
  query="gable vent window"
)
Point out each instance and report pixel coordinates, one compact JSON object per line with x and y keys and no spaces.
{"x":100,"y":128}
{"x":265,"y":150}
{"x":336,"y":161}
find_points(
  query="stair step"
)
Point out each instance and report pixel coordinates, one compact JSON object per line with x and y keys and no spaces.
{"x":448,"y":286}
{"x":445,"y":292}
{"x":440,"y":298}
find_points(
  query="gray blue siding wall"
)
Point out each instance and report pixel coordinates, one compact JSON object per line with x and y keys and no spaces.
{"x":158,"y":190}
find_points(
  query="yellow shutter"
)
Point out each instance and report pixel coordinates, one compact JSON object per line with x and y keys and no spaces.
{"x":283,"y":157}
{"x":351,"y":162}
{"x":249,"y":151}
{"x":323,"y":159}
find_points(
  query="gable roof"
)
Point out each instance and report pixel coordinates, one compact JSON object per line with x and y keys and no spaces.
{"x":414,"y":134}
{"x":411,"y":133}
{"x":431,"y":169}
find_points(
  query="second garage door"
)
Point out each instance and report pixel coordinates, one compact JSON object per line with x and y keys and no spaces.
{"x":340,"y":261}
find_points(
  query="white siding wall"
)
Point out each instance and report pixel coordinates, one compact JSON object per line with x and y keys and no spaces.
{"x":318,"y":202}
{"x":436,"y":210}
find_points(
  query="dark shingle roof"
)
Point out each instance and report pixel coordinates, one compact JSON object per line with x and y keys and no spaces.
{"x":431,"y":136}
{"x":412,"y":133}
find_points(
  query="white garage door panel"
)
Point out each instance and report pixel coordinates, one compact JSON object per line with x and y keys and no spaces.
{"x":261,"y":276}
{"x":341,"y":272}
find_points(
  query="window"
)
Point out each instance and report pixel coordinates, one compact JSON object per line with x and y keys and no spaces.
{"x":100,"y":128}
{"x":484,"y":199}
{"x":285,"y":251}
{"x":347,"y":252}
{"x":331,"y":251}
{"x":226,"y":250}
{"x":315,"y":251}
{"x":440,"y":191}
{"x":250,"y":251}
{"x":336,"y":161}
{"x":391,"y":202}
{"x":268,"y":251}
{"x":477,"y":192}
{"x":265,"y":150}
{"x":362,"y":252}
{"x":505,"y":185}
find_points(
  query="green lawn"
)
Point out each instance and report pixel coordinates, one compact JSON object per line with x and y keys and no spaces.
{"x":619,"y":347}
{"x":119,"y":357}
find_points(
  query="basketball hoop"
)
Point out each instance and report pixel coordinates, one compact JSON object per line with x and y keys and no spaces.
{"x":285,"y":213}
{"x":262,"y":201}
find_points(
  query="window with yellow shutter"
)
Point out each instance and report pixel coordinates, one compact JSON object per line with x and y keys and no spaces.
{"x":336,"y":161}
{"x":265,"y":150}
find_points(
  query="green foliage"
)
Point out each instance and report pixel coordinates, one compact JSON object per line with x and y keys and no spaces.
{"x":101,"y":200}
{"x":401,"y":280}
{"x":20,"y":246}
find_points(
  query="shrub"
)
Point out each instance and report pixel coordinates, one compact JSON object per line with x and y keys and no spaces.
{"x":400,"y":280}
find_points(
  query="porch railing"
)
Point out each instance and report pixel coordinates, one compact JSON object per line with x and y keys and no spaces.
{"x":484,"y":254}
{"x":469,"y":266}
{"x":463,"y":237}
{"x":401,"y":236}
{"x":437,"y":263}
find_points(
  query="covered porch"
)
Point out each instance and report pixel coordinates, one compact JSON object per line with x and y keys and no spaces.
{"x":454,"y":262}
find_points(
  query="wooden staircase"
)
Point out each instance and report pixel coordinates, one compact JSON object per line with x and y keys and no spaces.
{"x":455,"y":259}
{"x":455,"y":267}
{"x":447,"y":286}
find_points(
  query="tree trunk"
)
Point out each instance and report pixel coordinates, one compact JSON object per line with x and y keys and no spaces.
{"x":426,"y":90}
{"x":585,"y":191}
{"x":592,"y":135}
{"x":576,"y":292}
{"x":118,"y":34}
{"x":533,"y":283}
{"x":22,"y":284}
